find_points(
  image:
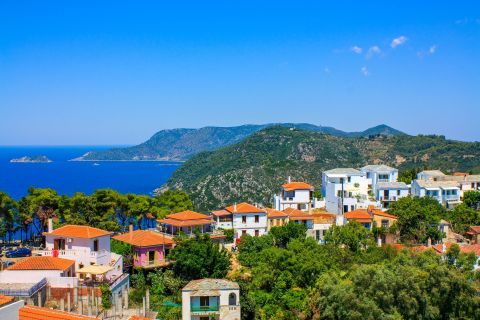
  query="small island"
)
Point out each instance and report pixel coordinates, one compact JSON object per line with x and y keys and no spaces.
{"x":34,"y":159}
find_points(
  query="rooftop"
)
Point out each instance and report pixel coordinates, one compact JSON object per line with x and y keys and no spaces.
{"x":343,"y":171}
{"x":392,"y":185}
{"x":187,"y":215}
{"x":360,"y":215}
{"x":144,"y":238}
{"x":378,"y":168}
{"x":272,"y":213}
{"x":458,"y":178}
{"x":42,"y":263}
{"x":433,"y":172}
{"x":38,"y":313}
{"x":437,"y":184}
{"x":186,"y":219}
{"x":209,"y":287}
{"x":295,"y":214}
{"x":5,"y":300}
{"x":75,"y":231}
{"x":221,"y":213}
{"x":244,"y":207}
{"x":297,"y":186}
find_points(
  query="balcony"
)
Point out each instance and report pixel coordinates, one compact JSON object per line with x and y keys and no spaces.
{"x":390,"y":198}
{"x":101,"y":257}
{"x":204,"y":309}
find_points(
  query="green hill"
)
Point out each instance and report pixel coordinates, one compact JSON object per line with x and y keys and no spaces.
{"x":253,"y":169}
{"x":182,"y":144}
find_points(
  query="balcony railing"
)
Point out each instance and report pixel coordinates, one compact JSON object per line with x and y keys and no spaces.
{"x":390,"y":198}
{"x":205,"y":308}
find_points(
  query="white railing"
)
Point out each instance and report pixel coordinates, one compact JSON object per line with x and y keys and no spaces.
{"x":100,"y":257}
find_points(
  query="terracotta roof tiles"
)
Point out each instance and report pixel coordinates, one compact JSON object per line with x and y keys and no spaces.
{"x":297,"y":186}
{"x":42,"y":263}
{"x":244,"y":207}
{"x":144,"y":238}
{"x":39,"y":313}
{"x":5,"y":300}
{"x":272,"y":213}
{"x":75,"y":231}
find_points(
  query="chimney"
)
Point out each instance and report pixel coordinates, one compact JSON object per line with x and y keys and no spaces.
{"x":130,"y":228}
{"x":289,"y":179}
{"x":235,"y":207}
{"x":50,"y":225}
{"x":429,"y":242}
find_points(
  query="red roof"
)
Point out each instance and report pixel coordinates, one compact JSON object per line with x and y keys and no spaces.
{"x":5,"y":300}
{"x":360,"y":215}
{"x":144,"y":238}
{"x":244,"y":208}
{"x":475,"y":229}
{"x":475,"y":248}
{"x":297,"y":186}
{"x":75,"y":231}
{"x":186,"y":219}
{"x":221,"y":213}
{"x":272,"y":213}
{"x":42,"y":263}
{"x":295,"y":214}
{"x":383,"y":214}
{"x":187,"y":215}
{"x":38,"y":313}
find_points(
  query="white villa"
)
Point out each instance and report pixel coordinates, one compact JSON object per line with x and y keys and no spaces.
{"x":446,"y":193}
{"x":467,"y":182}
{"x":248,"y":219}
{"x":429,"y":174}
{"x":211,"y":299}
{"x":376,"y":174}
{"x":89,"y":247}
{"x":297,"y":195}
{"x":345,"y":189}
{"x":388,"y":192}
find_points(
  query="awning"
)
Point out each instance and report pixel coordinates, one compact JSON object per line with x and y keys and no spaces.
{"x":96,"y":270}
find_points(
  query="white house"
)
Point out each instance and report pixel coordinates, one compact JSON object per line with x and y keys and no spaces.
{"x":388,"y":192}
{"x":446,"y":193}
{"x":223,"y":219}
{"x":298,"y":195}
{"x":248,"y":219}
{"x":345,"y":189}
{"x":87,"y":246}
{"x":429,"y":174}
{"x":376,"y":174}
{"x":211,"y":299}
{"x":467,"y":182}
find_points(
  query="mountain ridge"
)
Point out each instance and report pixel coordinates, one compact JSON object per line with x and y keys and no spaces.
{"x":180,"y":144}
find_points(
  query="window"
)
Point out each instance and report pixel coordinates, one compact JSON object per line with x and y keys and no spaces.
{"x":244,"y":219}
{"x":244,"y":232}
{"x":398,"y":192}
{"x":232,"y":299}
{"x":204,"y":301}
{"x":349,"y":179}
{"x":257,"y":233}
{"x":95,"y":245}
{"x":257,"y":218}
{"x":384,"y":223}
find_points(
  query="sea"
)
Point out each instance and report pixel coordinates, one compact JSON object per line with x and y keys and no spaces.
{"x":68,"y":177}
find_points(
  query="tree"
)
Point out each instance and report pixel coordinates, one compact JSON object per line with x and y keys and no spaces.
{"x":462,"y":217}
{"x":8,"y":211}
{"x":353,"y":235}
{"x":172,"y":201}
{"x":292,"y":230}
{"x":472,"y":199}
{"x":418,"y":218}
{"x":40,"y":203}
{"x":199,"y":257}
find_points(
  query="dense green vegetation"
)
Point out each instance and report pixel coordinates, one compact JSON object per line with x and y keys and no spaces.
{"x":306,"y":280}
{"x":181,"y":144}
{"x":253,"y":169}
{"x":105,"y":209}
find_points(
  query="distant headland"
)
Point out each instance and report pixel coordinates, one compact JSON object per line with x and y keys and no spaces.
{"x":34,"y":159}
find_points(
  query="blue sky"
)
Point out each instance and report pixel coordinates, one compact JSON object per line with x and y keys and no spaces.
{"x":115,"y":72}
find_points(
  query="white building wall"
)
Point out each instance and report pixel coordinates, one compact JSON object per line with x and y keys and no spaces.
{"x":28,"y":276}
{"x":250,"y":225}
{"x":358,"y":185}
{"x":10,"y":311}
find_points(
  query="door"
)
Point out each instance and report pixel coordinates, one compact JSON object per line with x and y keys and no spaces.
{"x":95,"y":245}
{"x":151,"y":257}
{"x":59,"y":244}
{"x":385,"y":194}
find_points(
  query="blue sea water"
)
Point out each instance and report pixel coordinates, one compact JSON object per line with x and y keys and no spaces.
{"x":68,"y":177}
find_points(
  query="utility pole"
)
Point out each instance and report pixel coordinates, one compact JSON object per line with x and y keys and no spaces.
{"x":343,"y":208}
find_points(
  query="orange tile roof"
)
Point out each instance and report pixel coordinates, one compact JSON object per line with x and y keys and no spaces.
{"x":39,"y":313}
{"x":187,"y":223}
{"x":475,"y":248}
{"x":221,"y":213}
{"x":187,"y":215}
{"x":5,"y":300}
{"x":295,"y":214}
{"x":42,"y":263}
{"x":297,"y":186}
{"x":475,"y":229}
{"x":383,"y":214}
{"x":138,"y":318}
{"x":75,"y":231}
{"x":144,"y":238}
{"x":360,"y":215}
{"x":244,"y":208}
{"x":323,"y":217}
{"x":272,"y":213}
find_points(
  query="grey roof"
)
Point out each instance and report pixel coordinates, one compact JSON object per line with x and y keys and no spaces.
{"x":343,"y":171}
{"x":209,"y":287}
{"x":467,"y":178}
{"x":437,"y":184}
{"x":378,"y":168}
{"x":392,"y":185}
{"x":433,"y":172}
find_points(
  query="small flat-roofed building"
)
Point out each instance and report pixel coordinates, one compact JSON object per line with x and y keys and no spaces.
{"x":467,"y":182}
{"x":276,"y":218}
{"x":429,"y":174}
{"x":150,"y":248}
{"x":446,"y":193}
{"x":211,"y":299}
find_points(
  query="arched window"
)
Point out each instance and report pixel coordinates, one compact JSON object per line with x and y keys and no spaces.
{"x":232,"y":299}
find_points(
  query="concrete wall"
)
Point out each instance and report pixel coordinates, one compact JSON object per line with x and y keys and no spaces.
{"x":10,"y":311}
{"x":250,"y":225}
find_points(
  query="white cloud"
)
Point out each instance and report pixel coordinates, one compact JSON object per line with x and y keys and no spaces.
{"x":356,"y":49}
{"x":433,"y":49}
{"x":373,"y":51}
{"x":429,"y":52}
{"x":398,"y":41}
{"x":365,"y":71}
